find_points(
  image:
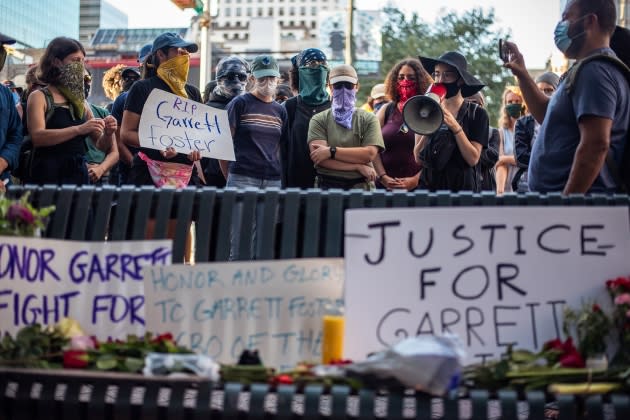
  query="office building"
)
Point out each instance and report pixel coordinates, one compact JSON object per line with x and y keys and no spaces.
{"x":33,"y":24}
{"x":96,"y":14}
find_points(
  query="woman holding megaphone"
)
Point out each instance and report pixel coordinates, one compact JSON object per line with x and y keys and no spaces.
{"x":449,"y":154}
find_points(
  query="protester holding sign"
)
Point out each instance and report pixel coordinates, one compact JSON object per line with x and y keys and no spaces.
{"x":166,"y":69}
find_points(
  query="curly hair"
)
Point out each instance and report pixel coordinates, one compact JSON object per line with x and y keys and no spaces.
{"x":57,"y":49}
{"x":423,"y":78}
{"x":504,"y":118}
{"x":112,"y":81}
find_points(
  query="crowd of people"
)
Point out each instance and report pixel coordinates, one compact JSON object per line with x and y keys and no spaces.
{"x":554,"y":134}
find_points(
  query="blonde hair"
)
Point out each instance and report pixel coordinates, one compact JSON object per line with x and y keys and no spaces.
{"x":112,"y":81}
{"x":504,"y":118}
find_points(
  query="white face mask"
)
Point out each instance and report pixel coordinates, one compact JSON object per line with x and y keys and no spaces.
{"x":266,"y":86}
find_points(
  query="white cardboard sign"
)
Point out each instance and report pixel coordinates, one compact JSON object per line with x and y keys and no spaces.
{"x":99,"y":284}
{"x":169,"y":120}
{"x":491,"y":275}
{"x":220,"y":309}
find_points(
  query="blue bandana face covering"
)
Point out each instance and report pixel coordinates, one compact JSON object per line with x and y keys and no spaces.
{"x":343,"y":106}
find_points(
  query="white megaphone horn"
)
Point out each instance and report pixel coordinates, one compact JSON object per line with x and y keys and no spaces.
{"x":422,"y":113}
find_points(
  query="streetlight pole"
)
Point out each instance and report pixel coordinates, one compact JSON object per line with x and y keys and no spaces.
{"x":349,"y":37}
{"x":205,"y":62}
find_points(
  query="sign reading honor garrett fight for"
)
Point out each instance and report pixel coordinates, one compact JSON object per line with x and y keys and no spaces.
{"x":99,"y":284}
{"x":220,"y":309}
{"x":169,"y":120}
{"x":492,"y":276}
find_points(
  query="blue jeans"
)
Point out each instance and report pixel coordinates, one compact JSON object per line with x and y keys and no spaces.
{"x":242,"y":182}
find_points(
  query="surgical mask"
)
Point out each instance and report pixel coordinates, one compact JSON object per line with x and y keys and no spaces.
{"x":266,"y":86}
{"x":406,"y":89}
{"x":561,"y":35}
{"x":174,"y":73}
{"x":343,"y":104}
{"x":514,"y":110}
{"x":452,"y":88}
{"x":313,"y":84}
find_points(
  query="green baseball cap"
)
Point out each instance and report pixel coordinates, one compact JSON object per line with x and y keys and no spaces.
{"x":265,"y":66}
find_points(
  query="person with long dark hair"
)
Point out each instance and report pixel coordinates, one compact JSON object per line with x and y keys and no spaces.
{"x":395,"y":166}
{"x":59,"y":141}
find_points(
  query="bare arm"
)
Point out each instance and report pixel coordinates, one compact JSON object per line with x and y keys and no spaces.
{"x":536,"y":100}
{"x":590,"y":155}
{"x":129,"y":129}
{"x":41,"y":136}
{"x":124,"y":153}
{"x":361,"y":154}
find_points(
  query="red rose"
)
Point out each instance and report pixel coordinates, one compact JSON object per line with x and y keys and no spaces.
{"x":568,"y":347}
{"x":554,"y":344}
{"x":572,"y":359}
{"x":163,"y":337}
{"x":284,"y":379}
{"x":596,"y":308}
{"x":75,"y":359}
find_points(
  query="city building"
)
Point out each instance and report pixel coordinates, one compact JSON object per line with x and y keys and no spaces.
{"x":97,"y":14}
{"x":33,"y":27}
{"x":623,"y":13}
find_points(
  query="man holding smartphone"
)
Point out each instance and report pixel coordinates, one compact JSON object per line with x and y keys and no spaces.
{"x":580,"y":125}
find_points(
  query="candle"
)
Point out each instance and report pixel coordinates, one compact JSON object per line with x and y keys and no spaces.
{"x":332,"y":338}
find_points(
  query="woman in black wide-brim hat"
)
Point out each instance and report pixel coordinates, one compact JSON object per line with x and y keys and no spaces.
{"x":449,"y":156}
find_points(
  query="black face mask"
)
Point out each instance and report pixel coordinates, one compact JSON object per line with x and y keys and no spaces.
{"x":452,"y":88}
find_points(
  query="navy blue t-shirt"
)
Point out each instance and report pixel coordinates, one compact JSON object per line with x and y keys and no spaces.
{"x":257,"y":127}
{"x":601,"y":91}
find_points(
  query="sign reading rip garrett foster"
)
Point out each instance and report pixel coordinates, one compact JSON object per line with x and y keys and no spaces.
{"x":172,"y":121}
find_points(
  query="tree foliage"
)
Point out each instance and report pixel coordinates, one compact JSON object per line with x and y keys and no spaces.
{"x":472,"y":33}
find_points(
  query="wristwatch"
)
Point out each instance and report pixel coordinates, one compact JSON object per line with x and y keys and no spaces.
{"x":333,"y":152}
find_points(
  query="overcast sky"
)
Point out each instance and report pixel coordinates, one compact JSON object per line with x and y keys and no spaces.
{"x":532,"y":22}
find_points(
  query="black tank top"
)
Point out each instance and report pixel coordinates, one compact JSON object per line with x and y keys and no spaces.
{"x":61,"y":118}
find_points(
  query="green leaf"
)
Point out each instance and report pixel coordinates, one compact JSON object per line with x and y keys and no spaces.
{"x":133,"y":364}
{"x":106,"y":362}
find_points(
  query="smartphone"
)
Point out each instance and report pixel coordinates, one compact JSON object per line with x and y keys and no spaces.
{"x":504,"y":52}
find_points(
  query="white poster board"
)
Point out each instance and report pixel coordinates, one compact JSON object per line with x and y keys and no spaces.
{"x":491,"y":275}
{"x":220,"y":309}
{"x":99,"y":284}
{"x":169,"y":120}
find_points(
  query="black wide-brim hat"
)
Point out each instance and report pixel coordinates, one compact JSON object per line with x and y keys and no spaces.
{"x":471,"y":86}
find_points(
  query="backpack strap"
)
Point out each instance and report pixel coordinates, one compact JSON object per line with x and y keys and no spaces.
{"x":570,"y":80}
{"x":50,"y":103}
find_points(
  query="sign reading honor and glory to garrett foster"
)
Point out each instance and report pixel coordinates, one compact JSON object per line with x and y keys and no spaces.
{"x":494,"y":276}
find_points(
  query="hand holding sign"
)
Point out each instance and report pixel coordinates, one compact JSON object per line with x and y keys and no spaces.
{"x":170,"y":121}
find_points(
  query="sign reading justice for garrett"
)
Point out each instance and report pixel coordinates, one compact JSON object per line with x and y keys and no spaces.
{"x":493,"y":276}
{"x":169,"y":120}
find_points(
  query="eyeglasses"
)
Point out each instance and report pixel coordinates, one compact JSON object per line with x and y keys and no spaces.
{"x":233,"y":76}
{"x":346,"y":85}
{"x":406,"y":76}
{"x":444,"y":75}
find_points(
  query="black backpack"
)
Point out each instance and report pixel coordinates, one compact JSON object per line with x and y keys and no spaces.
{"x":620,"y":173}
{"x":24,"y":171}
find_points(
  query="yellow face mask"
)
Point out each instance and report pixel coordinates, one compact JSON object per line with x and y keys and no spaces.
{"x":174,"y":72}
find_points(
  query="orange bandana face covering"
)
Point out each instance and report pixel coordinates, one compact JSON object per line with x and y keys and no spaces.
{"x":174,"y":73}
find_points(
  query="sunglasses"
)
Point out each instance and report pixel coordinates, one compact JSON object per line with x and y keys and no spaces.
{"x":340,"y":85}
{"x":233,"y":76}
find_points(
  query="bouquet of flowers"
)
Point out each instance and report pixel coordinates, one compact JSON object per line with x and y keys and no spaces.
{"x":590,"y":326}
{"x":20,"y":218}
{"x":619,"y":290}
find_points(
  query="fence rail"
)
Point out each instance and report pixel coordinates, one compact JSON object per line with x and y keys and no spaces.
{"x":296,"y":223}
{"x":46,"y":394}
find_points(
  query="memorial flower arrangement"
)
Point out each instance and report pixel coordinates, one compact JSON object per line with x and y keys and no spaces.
{"x":65,"y":345}
{"x":20,"y":218}
{"x":562,"y":366}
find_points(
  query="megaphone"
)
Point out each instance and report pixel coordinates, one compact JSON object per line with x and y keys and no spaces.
{"x":422,"y":113}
